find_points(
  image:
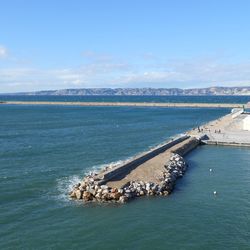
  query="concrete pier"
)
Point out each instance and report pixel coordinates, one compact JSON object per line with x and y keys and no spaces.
{"x":149,"y":166}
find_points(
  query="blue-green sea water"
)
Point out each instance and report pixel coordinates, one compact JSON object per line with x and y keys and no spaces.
{"x":44,"y":150}
{"x":185,"y":99}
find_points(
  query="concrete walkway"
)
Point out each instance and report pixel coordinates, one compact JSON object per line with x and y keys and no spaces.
{"x":151,"y":170}
{"x":227,"y":130}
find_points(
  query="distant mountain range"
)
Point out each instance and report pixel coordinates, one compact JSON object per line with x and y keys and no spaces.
{"x":144,"y":91}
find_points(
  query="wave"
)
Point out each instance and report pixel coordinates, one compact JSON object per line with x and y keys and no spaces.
{"x":65,"y":185}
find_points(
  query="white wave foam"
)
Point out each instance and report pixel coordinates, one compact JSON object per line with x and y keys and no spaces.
{"x":65,"y":185}
{"x":97,"y":168}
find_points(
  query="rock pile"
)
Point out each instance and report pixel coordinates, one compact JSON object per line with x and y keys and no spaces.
{"x":90,"y":190}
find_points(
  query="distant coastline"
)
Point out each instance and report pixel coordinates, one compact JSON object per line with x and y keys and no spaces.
{"x":211,"y":91}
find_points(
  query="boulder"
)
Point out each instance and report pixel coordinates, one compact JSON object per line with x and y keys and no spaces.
{"x":72,"y":194}
{"x":104,"y":187}
{"x":105,"y":197}
{"x":78,"y":194}
{"x":92,"y":191}
{"x":113,"y":190}
{"x":115,"y":196}
{"x":87,"y":196}
{"x":99,"y":191}
{"x":83,"y":184}
{"x":142,"y":193}
{"x":120,"y":190}
{"x":123,"y":199}
{"x":98,"y":196}
{"x":105,"y":191}
{"x":147,"y":186}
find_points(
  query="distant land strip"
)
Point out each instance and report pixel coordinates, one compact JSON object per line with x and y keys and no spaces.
{"x":128,"y":104}
{"x":241,"y":91}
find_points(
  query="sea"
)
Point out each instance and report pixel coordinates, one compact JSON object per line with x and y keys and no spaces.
{"x":45,"y":150}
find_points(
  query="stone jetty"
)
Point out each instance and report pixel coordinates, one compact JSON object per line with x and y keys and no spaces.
{"x":152,"y":173}
{"x":91,"y":190}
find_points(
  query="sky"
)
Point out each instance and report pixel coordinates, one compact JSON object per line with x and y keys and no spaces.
{"x":60,"y":44}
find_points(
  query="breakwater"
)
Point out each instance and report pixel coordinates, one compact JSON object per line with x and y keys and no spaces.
{"x":91,"y":190}
{"x":127,"y":104}
{"x":136,"y":178}
{"x":121,"y":170}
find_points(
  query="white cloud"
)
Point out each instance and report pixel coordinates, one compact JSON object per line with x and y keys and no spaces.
{"x":3,"y":52}
{"x":114,"y":73}
{"x":192,"y":73}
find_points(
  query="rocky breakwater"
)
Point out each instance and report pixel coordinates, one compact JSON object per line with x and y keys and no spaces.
{"x":89,"y":190}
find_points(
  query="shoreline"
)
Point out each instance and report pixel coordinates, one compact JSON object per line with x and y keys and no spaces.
{"x":127,"y":104}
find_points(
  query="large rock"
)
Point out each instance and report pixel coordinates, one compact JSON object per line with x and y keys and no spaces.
{"x":114,"y":190}
{"x":87,"y":196}
{"x":141,"y":193}
{"x":115,"y":196}
{"x":147,"y":186}
{"x":83,"y":184}
{"x":104,"y":187}
{"x":123,"y":199}
{"x":78,"y":194}
{"x":92,"y":191}
{"x":72,"y":194}
{"x":120,"y":190}
{"x":98,"y":196}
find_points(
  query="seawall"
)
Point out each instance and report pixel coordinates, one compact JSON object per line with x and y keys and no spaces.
{"x":151,"y":173}
{"x":127,"y":104}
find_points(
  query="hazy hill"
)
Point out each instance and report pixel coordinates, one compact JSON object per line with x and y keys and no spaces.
{"x":146,"y":91}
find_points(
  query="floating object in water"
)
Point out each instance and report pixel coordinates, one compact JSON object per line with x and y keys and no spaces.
{"x":215,"y":192}
{"x":210,"y":169}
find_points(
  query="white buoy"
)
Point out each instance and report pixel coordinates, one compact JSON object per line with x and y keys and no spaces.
{"x":210,"y":169}
{"x":215,"y":192}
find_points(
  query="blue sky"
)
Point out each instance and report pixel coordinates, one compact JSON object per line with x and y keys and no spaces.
{"x":133,"y":43}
